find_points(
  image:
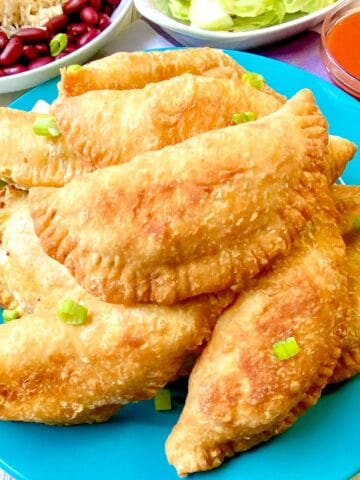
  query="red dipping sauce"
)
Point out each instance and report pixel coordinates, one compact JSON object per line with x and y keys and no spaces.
{"x":340,"y":45}
{"x":343,"y":41}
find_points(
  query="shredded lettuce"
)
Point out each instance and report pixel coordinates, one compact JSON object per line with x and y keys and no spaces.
{"x":251,"y":15}
{"x":216,"y":17}
{"x":180,"y":9}
{"x":252,"y":8}
{"x":252,"y":23}
{"x":163,"y":6}
{"x":305,"y":6}
{"x":238,"y":15}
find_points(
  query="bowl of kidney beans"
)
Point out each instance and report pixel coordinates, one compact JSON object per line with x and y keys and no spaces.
{"x":35,"y":54}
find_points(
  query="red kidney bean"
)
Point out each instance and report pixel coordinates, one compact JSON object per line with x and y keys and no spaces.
{"x":73,"y":6}
{"x":76,"y":29}
{"x":14,"y":69}
{"x":104,"y":21}
{"x":11,"y":52}
{"x":30,"y":52}
{"x":3,"y":40}
{"x":57,"y":24}
{"x":70,"y":49}
{"x":61,"y":55}
{"x":89,"y":16}
{"x":87,"y":37}
{"x":71,"y":38}
{"x":42,"y":48}
{"x":39,"y":62}
{"x":113,"y":3}
{"x":96,"y":4}
{"x":32,"y":34}
{"x":107,"y":10}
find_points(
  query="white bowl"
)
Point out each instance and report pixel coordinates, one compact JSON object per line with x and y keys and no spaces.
{"x":195,"y":37}
{"x":120,"y":18}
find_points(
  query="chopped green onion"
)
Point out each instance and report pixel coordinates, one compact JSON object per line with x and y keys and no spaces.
{"x":253,"y":79}
{"x":46,"y":126}
{"x":162,"y":400}
{"x":285,"y":349}
{"x":72,"y":313}
{"x":73,"y":68}
{"x":58,"y":44}
{"x":243,"y":117}
{"x":2,"y":184}
{"x":356,"y":222}
{"x":9,"y":315}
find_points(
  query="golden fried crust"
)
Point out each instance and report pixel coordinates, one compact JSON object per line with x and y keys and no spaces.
{"x":347,"y":200}
{"x":34,"y":160}
{"x":239,"y":393}
{"x":109,"y":127}
{"x":340,"y":152}
{"x":197,"y":217}
{"x":124,"y":71}
{"x":10,"y":200}
{"x":84,"y":373}
{"x":236,"y":73}
{"x":122,"y":355}
{"x":29,"y":274}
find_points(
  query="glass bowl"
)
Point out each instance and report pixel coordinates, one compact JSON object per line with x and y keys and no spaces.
{"x":339,"y":75}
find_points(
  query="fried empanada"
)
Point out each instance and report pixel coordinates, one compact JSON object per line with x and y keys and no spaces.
{"x":34,"y":160}
{"x":347,"y":201}
{"x":10,"y":200}
{"x":124,"y":71}
{"x":109,"y":127}
{"x":42,"y":161}
{"x":62,"y":374}
{"x":28,"y":274}
{"x":240,"y":394}
{"x":201,"y":216}
{"x":340,"y":152}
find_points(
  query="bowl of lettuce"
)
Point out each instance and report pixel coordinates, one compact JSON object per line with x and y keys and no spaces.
{"x":238,"y":24}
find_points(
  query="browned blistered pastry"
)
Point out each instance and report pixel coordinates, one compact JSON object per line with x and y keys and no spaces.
{"x":109,"y":127}
{"x":201,"y":216}
{"x":240,"y":394}
{"x":340,"y":152}
{"x":10,"y":200}
{"x":347,"y":201}
{"x":56,"y":373}
{"x":124,"y":71}
{"x":32,"y":160}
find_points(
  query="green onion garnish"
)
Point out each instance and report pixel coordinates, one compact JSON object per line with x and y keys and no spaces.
{"x":162,"y":399}
{"x":72,"y":313}
{"x":2,"y":184}
{"x":356,"y":222}
{"x":46,"y":126}
{"x":9,"y":315}
{"x":243,"y":117}
{"x":58,"y":44}
{"x":253,"y":79}
{"x":73,"y":68}
{"x":285,"y":349}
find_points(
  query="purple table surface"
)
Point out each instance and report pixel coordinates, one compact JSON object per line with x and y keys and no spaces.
{"x":302,"y":50}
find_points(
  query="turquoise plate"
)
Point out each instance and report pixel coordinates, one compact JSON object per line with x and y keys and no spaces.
{"x":324,"y":443}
